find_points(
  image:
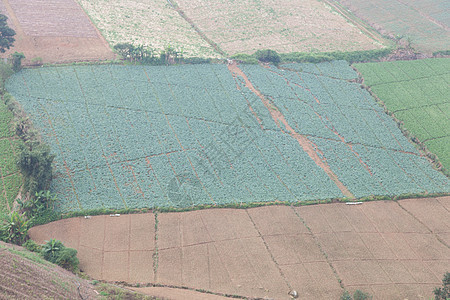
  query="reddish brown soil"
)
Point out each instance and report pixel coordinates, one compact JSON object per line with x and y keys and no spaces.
{"x":392,"y":250}
{"x":57,"y":32}
{"x":23,"y":278}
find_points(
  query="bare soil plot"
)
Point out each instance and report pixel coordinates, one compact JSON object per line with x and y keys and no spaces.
{"x":388,"y":249}
{"x":56,"y":31}
{"x":284,"y":26}
{"x":426,"y":23}
{"x":145,"y":22}
{"x":393,"y":254}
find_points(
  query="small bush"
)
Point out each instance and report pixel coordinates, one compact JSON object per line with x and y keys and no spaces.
{"x":37,"y":61}
{"x":357,"y":295}
{"x":67,"y":259}
{"x":245,"y":58}
{"x":16,"y":58}
{"x":54,"y":251}
{"x":443,"y":293}
{"x":269,"y":56}
{"x":14,"y":229}
{"x":32,"y":246}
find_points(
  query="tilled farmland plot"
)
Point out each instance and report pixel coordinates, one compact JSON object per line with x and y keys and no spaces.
{"x":54,"y":31}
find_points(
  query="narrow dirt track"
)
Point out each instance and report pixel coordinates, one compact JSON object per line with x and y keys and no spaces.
{"x":309,"y":147}
{"x":392,"y":250}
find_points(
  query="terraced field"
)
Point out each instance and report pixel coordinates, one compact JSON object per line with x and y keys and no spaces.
{"x":11,"y":179}
{"x":181,"y":136}
{"x":418,"y":93}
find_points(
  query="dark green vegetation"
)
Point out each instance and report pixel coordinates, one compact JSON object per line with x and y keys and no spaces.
{"x":54,"y":251}
{"x":443,"y":293}
{"x":311,"y":57}
{"x":6,"y":34}
{"x":11,"y":179}
{"x":194,"y":135}
{"x":418,"y":93}
{"x":357,"y":295}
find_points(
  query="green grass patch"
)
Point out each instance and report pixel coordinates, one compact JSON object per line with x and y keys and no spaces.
{"x":418,"y":94}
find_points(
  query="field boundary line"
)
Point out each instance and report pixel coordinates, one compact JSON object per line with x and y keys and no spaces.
{"x":406,"y":80}
{"x":423,"y":224}
{"x":358,"y":22}
{"x":429,"y":18}
{"x":156,"y":253}
{"x":316,"y":241}
{"x":196,"y":28}
{"x":268,"y":251}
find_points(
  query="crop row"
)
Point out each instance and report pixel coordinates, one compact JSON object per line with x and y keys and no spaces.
{"x":138,"y":136}
{"x":421,"y":103}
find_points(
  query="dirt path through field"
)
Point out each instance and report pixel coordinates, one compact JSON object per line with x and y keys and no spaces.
{"x":309,"y":147}
{"x":392,"y":250}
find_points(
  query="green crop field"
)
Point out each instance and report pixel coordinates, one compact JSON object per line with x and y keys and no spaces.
{"x":142,"y":136}
{"x":425,"y":22}
{"x":418,"y":93}
{"x":10,"y":176}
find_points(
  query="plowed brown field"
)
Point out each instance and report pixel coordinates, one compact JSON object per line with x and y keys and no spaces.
{"x":392,"y":250}
{"x":56,"y":31}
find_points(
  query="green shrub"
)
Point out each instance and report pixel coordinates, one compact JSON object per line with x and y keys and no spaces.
{"x":17,"y":61}
{"x":269,"y":56}
{"x":35,"y":163}
{"x":360,"y":295}
{"x":32,"y":246}
{"x":14,"y":229}
{"x":443,"y":293}
{"x":357,"y":295}
{"x":245,"y":58}
{"x":67,"y":259}
{"x":54,"y":251}
{"x":50,"y":250}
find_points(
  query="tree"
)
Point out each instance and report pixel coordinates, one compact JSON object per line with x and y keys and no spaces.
{"x":35,"y":163}
{"x":443,"y":293}
{"x":6,"y":34}
{"x":17,"y":60}
{"x":268,"y":56}
{"x":15,"y":229}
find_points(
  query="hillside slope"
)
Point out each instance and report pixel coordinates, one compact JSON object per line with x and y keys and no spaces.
{"x":25,"y":275}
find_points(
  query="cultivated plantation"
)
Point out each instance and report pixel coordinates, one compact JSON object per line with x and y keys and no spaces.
{"x":418,"y":93}
{"x":226,"y":148}
{"x":189,"y":135}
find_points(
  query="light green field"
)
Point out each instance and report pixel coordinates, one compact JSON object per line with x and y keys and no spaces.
{"x":418,"y":93}
{"x":11,"y":179}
